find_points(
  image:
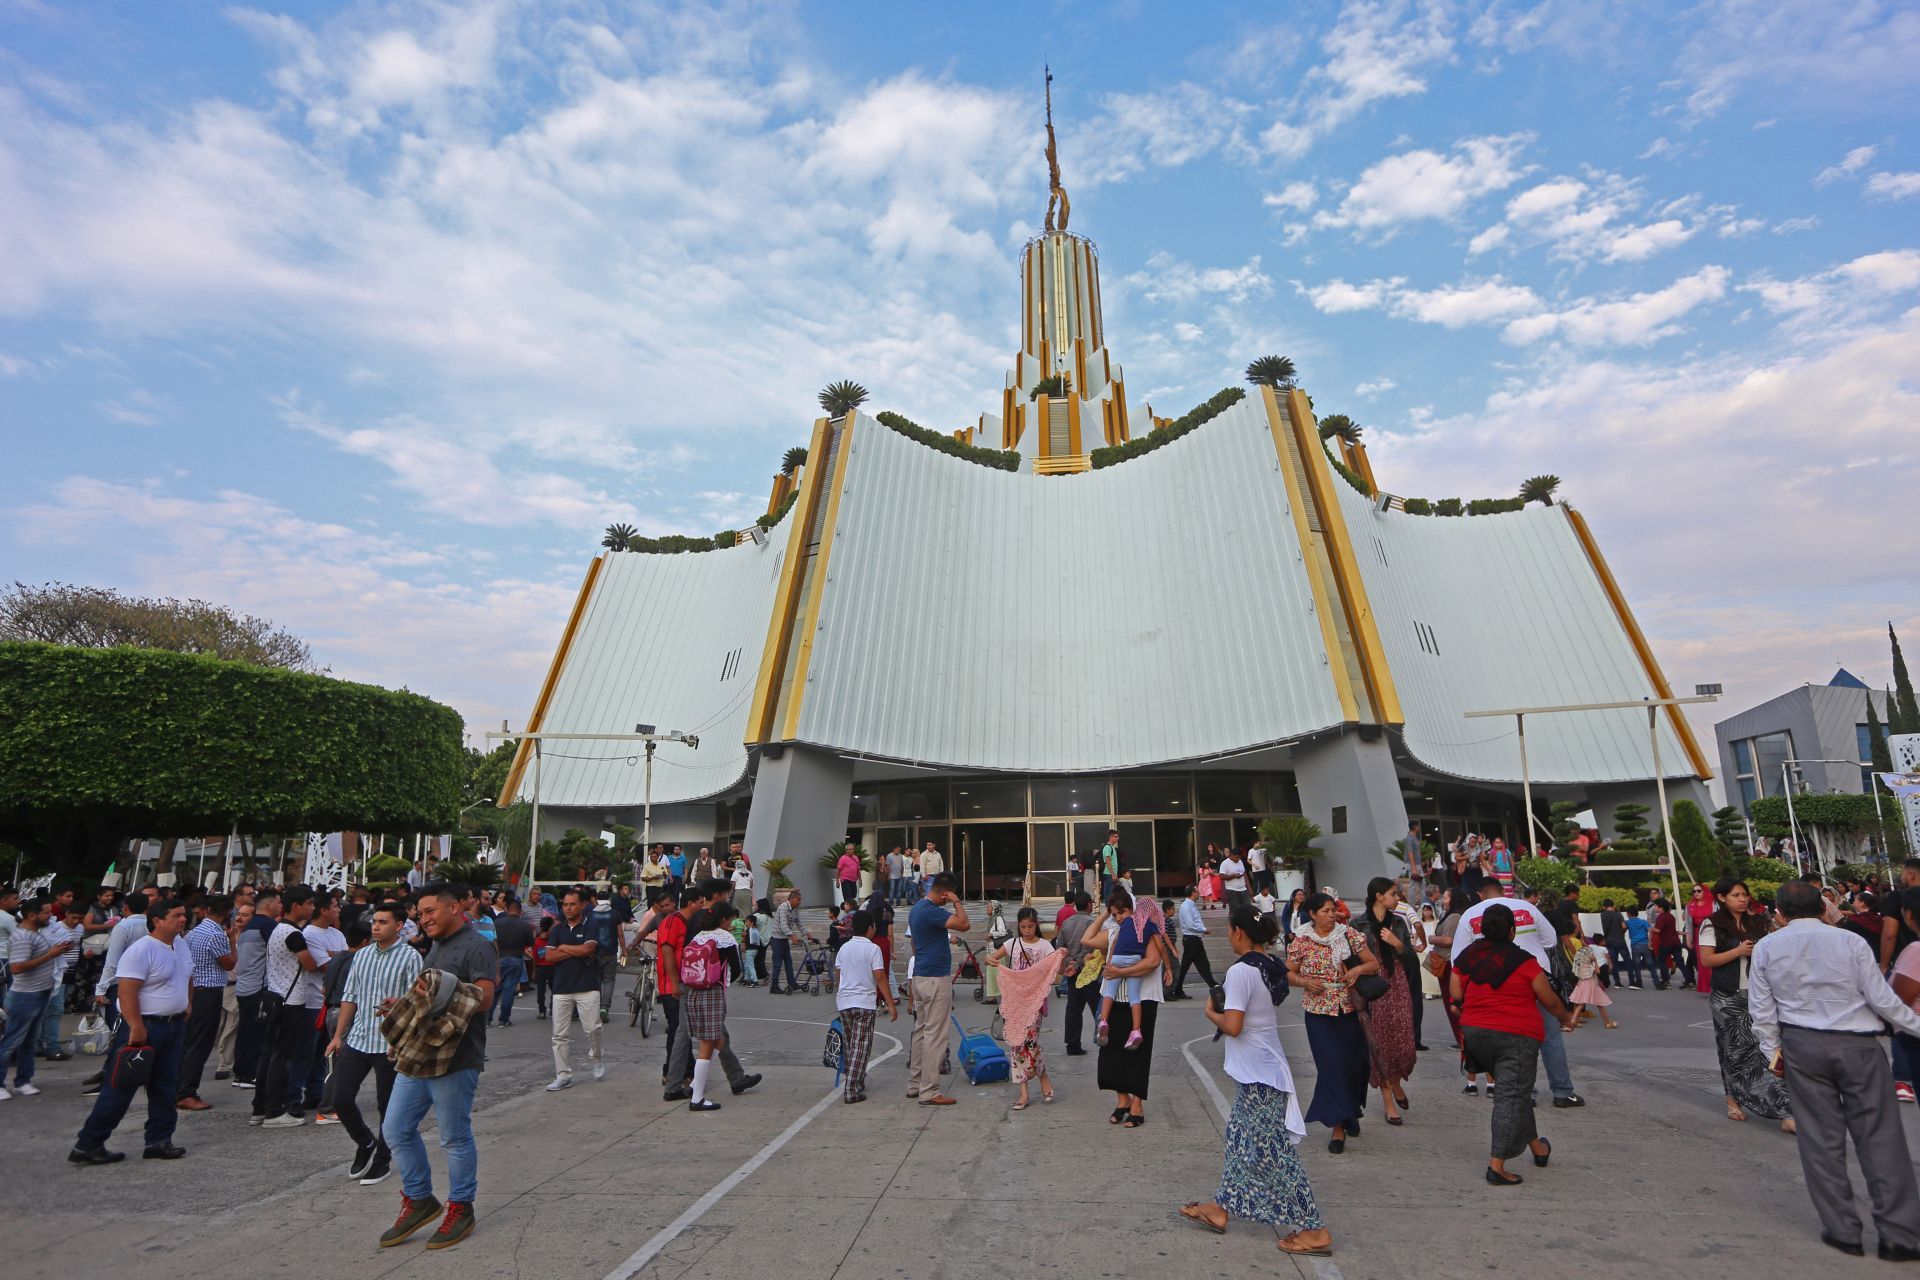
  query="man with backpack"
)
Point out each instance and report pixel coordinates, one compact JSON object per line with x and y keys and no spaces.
{"x":574,"y":946}
{"x":679,"y":1073}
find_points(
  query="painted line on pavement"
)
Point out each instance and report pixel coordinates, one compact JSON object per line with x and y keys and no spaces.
{"x":695,"y":1211}
{"x":1323,"y":1269}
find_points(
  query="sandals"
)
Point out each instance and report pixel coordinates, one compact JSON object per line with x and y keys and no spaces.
{"x":1290,"y":1243}
{"x":1046,"y":1097}
{"x":1119,"y":1114}
{"x":1734,"y":1112}
{"x":1611,"y":1026}
{"x":1020,"y":1106}
{"x":1133,"y":1121}
{"x":1191,"y":1213}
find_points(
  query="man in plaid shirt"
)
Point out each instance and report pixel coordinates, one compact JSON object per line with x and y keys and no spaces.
{"x":786,"y":927}
{"x":863,"y":981}
{"x":211,"y":942}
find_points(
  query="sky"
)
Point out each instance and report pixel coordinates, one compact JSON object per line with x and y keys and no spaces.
{"x":368,"y":318}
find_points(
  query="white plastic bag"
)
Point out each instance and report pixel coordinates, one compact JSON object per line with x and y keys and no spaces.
{"x":92,"y":1035}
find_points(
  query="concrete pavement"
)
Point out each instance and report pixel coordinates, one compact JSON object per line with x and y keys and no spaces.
{"x":605,"y":1180}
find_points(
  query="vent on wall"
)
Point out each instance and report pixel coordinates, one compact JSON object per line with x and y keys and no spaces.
{"x":730,"y":665}
{"x":1428,"y":641}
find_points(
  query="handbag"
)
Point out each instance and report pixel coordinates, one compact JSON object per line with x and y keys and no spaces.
{"x":1437,"y":962}
{"x":130,"y":1067}
{"x":1370,"y":986}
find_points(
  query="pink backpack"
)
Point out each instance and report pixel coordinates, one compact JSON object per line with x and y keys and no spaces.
{"x":701,"y":967}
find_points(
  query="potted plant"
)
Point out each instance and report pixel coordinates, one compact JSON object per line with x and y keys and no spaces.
{"x":830,"y":863}
{"x":777,"y":872}
{"x":1290,"y":852}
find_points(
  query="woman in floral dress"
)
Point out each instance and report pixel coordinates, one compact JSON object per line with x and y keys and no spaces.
{"x":1317,"y":963}
{"x":1023,"y":1000}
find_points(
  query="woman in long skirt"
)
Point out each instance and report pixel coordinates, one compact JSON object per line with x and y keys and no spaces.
{"x":1317,"y":962}
{"x":1027,"y":964}
{"x":1391,"y":1055}
{"x":1261,"y":1178}
{"x":1727,"y":940}
{"x":1123,"y":1071}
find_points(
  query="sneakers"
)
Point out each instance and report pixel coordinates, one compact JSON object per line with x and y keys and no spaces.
{"x":362,"y":1160}
{"x":378,"y":1174}
{"x":599,"y":1071}
{"x":1100,"y":1035}
{"x":1134,"y":1041}
{"x":223,"y":1075}
{"x":1471,"y":1087}
{"x":1571,"y":1100}
{"x":242,"y":1084}
{"x":455,"y":1227}
{"x":4,"y":1095}
{"x":1904,"y":1092}
{"x":26,"y":1089}
{"x":325,"y":1117}
{"x":92,"y":1090}
{"x":414,"y":1214}
{"x":287,"y":1121}
{"x":559,"y":1083}
{"x":254,"y":1122}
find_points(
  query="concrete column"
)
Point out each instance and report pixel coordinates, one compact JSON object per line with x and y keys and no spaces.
{"x":800,"y":800}
{"x":1351,"y":772}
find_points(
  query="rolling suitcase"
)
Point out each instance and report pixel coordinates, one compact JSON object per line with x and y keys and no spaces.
{"x":981,"y":1056}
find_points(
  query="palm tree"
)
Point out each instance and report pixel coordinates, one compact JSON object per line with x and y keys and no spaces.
{"x":618,"y":536}
{"x":794,"y":459}
{"x":1339,"y":424}
{"x":1540,"y":489}
{"x":1271,"y":371}
{"x":842,"y":397}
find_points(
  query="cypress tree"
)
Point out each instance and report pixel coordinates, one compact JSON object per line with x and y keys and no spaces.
{"x":1904,"y":715}
{"x":1877,"y":737}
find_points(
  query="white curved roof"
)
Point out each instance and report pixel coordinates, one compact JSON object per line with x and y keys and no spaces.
{"x":1480,"y":613}
{"x":1149,"y":612}
{"x":668,"y":640}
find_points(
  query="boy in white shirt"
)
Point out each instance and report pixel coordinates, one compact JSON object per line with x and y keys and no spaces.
{"x":861,"y":983}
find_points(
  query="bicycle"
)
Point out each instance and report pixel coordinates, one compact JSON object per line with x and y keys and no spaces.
{"x":640,"y":998}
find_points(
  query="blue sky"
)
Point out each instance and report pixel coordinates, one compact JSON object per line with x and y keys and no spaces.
{"x":369,"y":317}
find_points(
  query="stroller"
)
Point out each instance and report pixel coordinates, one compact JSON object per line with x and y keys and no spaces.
{"x":815,"y":968}
{"x":970,"y":969}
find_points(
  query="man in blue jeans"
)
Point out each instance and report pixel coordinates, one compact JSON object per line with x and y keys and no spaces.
{"x":32,"y":962}
{"x":512,"y":935}
{"x":462,"y":952}
{"x":155,"y":978}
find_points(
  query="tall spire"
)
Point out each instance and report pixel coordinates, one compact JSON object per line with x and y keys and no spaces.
{"x":1056,"y":194}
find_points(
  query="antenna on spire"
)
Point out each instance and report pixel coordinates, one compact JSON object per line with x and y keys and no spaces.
{"x":1056,"y":194}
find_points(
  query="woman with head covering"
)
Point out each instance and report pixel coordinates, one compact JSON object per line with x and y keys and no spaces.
{"x":1727,"y":940}
{"x":1700,"y":908}
{"x":1261,"y":1178}
{"x":1500,"y":989}
{"x":1390,"y":1018}
{"x":1324,"y":960}
{"x":1126,"y":1071}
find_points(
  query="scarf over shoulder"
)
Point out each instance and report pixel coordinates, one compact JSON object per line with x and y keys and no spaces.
{"x":1023,"y":991}
{"x":1490,"y":963}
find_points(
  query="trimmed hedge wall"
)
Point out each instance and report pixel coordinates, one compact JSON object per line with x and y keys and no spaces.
{"x":160,"y":743}
{"x":1845,"y":810}
{"x":1114,"y":454}
{"x":1454,"y":507}
{"x":998,"y":459}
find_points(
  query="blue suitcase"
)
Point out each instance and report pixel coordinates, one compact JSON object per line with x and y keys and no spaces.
{"x":981,"y":1056}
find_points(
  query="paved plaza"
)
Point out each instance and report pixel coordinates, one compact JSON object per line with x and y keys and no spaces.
{"x":606,"y":1180}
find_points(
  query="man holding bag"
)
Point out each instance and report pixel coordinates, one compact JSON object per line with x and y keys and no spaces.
{"x":154,"y":977}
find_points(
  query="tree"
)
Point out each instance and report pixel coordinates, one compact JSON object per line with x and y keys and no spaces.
{"x":1053,"y":387}
{"x":1540,"y":489}
{"x":794,"y":459}
{"x":1290,"y":841}
{"x":1339,"y":424}
{"x":1272,"y":371}
{"x":841,"y":398}
{"x":618,"y":536}
{"x":100,"y":745}
{"x":1903,"y":716}
{"x":487,"y":774}
{"x":101,"y":618}
{"x":1729,"y":830}
{"x":1878,"y":752}
{"x":1700,"y":854}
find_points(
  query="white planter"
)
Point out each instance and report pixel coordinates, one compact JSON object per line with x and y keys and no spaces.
{"x":1285,"y":882}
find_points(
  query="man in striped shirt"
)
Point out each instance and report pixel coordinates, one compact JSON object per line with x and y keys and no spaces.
{"x":211,"y":943}
{"x":382,"y":972}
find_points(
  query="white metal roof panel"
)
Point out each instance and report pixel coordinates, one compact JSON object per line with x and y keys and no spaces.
{"x":658,"y":635}
{"x":1488,"y":612}
{"x":1149,"y":612}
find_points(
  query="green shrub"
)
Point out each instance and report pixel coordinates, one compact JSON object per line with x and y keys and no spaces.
{"x":1213,"y":407}
{"x":386,"y":867}
{"x":481,"y":875}
{"x":1418,"y":507}
{"x":777,"y":872}
{"x":724,"y":539}
{"x":1447,"y":507}
{"x":1700,"y":854}
{"x":1546,"y":873}
{"x":1752,"y":869}
{"x":779,"y":513}
{"x":998,"y":459}
{"x":671,"y":544}
{"x":1765,"y":889}
{"x":1290,"y":840}
{"x":1351,"y":476}
{"x":1594,"y":896}
{"x":1052,"y":387}
{"x":1843,"y":811}
{"x":1870,"y":872}
{"x":1495,"y":506}
{"x":1616,"y":856}
{"x":830,"y":860}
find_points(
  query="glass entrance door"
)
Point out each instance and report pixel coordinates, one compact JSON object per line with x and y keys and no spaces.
{"x":1049,"y":860}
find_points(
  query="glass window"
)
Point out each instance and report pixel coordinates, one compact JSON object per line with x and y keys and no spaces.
{"x":912,"y":801}
{"x":1066,"y":797}
{"x":1770,"y":755}
{"x":1136,"y":854}
{"x":1150,"y":795}
{"x":1223,"y":793}
{"x":1088,"y":837}
{"x":1866,"y":780}
{"x":1748,"y":793}
{"x":1743,"y":756}
{"x":1049,"y":859}
{"x":1276,"y":793}
{"x":1863,"y":742}
{"x":1214,"y":831}
{"x":989,"y":798}
{"x":863,"y":808}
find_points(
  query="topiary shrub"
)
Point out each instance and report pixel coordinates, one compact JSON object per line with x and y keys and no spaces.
{"x":998,"y":459}
{"x":1546,"y":873}
{"x":1418,"y":507}
{"x":1213,"y":407}
{"x":1447,"y":507}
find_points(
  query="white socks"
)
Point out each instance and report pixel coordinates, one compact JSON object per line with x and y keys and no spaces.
{"x":701,"y":1067}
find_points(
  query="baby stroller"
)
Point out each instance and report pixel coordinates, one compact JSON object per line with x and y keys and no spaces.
{"x":815,"y":968}
{"x":970,"y":969}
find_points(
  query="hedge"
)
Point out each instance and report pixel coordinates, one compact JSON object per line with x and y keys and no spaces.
{"x":100,"y":744}
{"x":1454,"y":507}
{"x":1352,"y":477}
{"x":1217,"y":404}
{"x":779,"y":513}
{"x":1844,"y":810}
{"x":999,"y":459}
{"x":1546,"y":873}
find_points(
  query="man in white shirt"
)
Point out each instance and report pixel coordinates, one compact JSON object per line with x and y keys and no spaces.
{"x":307,"y":1073}
{"x":155,"y":976}
{"x":931,"y":865}
{"x":860,"y":983}
{"x":1233,"y":879}
{"x":1193,"y":944}
{"x":1818,"y":999}
{"x":1258,"y":876}
{"x":1532,"y":934}
{"x":290,"y":1030}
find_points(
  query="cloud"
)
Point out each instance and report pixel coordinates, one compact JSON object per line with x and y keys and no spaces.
{"x":1637,"y":320}
{"x":1817,"y":57}
{"x":1456,"y":306}
{"x":1422,"y":184}
{"x":1374,"y":387}
{"x":1635,"y":244}
{"x":1492,"y":238}
{"x":1894,"y":186}
{"x":1299,"y":196}
{"x":1375,"y":52}
{"x":1854,"y":161}
{"x":137,"y":408}
{"x":1167,"y":279}
{"x":1337,"y":296}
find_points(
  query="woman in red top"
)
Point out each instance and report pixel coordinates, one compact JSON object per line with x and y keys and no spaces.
{"x":1497,"y":986}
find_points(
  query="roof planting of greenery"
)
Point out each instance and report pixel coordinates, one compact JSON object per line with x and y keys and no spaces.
{"x":999,"y":459}
{"x":1213,"y":407}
